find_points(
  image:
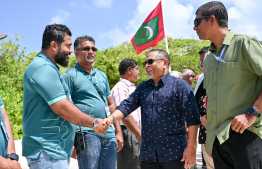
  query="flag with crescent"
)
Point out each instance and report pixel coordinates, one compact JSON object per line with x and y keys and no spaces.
{"x":150,"y":32}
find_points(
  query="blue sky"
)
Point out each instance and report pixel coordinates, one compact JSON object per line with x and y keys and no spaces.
{"x":111,"y":22}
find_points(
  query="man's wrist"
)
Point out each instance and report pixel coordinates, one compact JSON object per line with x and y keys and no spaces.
{"x":253,"y":112}
{"x":95,"y":123}
{"x":113,"y":117}
{"x":12,"y":156}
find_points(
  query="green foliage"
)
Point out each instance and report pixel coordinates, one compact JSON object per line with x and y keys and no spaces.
{"x":13,"y":62}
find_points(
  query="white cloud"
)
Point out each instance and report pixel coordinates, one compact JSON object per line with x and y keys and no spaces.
{"x":61,"y":17}
{"x":233,"y":13}
{"x":116,"y":36}
{"x":102,"y":3}
{"x":179,"y":16}
{"x":178,"y":20}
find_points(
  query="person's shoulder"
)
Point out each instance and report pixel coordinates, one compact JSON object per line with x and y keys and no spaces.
{"x":243,"y":37}
{"x":39,"y":67}
{"x":144,"y":83}
{"x":71,"y":71}
{"x":117,"y":85}
{"x":100,"y":72}
{"x":179,"y":82}
{"x":173,"y":79}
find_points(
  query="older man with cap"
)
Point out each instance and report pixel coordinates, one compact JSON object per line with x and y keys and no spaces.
{"x":8,"y":158}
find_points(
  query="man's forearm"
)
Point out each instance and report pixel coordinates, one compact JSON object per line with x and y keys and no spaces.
{"x":258,"y":102}
{"x":11,"y":144}
{"x":192,"y":135}
{"x":117,"y":114}
{"x":117,"y":127}
{"x":132,"y":126}
{"x":69,"y":112}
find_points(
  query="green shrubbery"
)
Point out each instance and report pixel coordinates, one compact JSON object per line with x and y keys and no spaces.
{"x":13,"y":62}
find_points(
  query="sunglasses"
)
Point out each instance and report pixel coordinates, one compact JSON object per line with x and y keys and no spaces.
{"x":150,"y":61}
{"x":87,"y":48}
{"x":192,"y":76}
{"x":197,"y":21}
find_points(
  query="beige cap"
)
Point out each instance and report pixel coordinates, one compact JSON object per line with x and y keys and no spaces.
{"x":2,"y":36}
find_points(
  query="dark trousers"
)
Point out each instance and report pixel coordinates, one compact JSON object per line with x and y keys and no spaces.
{"x":128,"y":157}
{"x":240,"y":151}
{"x":176,"y":164}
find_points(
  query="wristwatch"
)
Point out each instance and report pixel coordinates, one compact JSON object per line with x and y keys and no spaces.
{"x":96,"y":123}
{"x":252,"y":111}
{"x":13,"y":156}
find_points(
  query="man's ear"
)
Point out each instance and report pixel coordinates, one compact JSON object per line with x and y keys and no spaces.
{"x":76,"y":53}
{"x":129,"y":71}
{"x":54,"y":46}
{"x":212,"y":19}
{"x":166,"y":62}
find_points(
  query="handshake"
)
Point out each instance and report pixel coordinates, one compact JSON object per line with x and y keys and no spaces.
{"x":103,"y":124}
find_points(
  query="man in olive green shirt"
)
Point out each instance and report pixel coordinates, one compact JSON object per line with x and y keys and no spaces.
{"x":232,"y":69}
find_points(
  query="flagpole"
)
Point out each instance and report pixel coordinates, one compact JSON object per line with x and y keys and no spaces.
{"x":165,"y":32}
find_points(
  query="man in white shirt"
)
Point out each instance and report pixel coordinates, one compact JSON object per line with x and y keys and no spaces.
{"x":128,"y":157}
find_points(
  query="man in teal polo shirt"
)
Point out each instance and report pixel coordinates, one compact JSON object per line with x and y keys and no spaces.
{"x":8,"y":158}
{"x":90,"y":92}
{"x":48,"y":112}
{"x":233,"y":82}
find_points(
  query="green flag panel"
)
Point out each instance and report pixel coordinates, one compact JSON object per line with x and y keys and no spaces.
{"x":147,"y":32}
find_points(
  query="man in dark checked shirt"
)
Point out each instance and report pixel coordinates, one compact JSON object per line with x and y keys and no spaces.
{"x":166,"y":103}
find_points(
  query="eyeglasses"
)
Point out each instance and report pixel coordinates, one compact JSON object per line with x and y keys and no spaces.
{"x":197,"y":21}
{"x":87,"y":48}
{"x":150,"y":61}
{"x":192,"y":76}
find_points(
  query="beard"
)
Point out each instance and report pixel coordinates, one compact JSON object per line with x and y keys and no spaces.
{"x":60,"y":57}
{"x":151,"y":76}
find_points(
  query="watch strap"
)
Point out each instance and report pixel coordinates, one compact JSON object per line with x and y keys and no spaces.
{"x":114,"y":118}
{"x":255,"y":113}
{"x":13,"y":156}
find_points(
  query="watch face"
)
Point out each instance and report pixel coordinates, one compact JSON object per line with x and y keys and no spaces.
{"x":251,"y":110}
{"x":96,"y":123}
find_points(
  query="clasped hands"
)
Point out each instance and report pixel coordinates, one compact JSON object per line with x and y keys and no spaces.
{"x":103,"y":125}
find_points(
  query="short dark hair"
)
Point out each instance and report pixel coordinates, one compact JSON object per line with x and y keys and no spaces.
{"x":161,"y":53}
{"x":54,"y":32}
{"x":81,"y":39}
{"x":125,"y":64}
{"x":203,"y":50}
{"x":217,"y":9}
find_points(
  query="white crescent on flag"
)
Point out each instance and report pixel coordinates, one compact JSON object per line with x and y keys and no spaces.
{"x":150,"y":31}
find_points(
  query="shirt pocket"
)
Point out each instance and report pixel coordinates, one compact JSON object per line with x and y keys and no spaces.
{"x":230,"y":72}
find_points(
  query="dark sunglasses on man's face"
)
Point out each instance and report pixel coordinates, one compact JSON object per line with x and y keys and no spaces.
{"x":197,"y":21}
{"x":150,"y":61}
{"x":87,"y":48}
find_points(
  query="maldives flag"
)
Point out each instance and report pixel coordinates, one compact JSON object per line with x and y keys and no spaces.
{"x":150,"y":32}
